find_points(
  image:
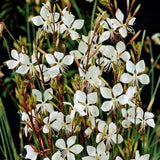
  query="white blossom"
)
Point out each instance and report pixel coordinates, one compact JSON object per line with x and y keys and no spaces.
{"x":98,"y":153}
{"x":136,"y":73}
{"x":46,"y":19}
{"x":138,"y":157}
{"x":113,"y":97}
{"x":43,"y":106}
{"x":69,"y":150}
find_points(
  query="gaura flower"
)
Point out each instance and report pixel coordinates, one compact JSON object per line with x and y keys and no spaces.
{"x":136,"y":73}
{"x":69,"y":150}
{"x":98,"y":153}
{"x":46,"y":19}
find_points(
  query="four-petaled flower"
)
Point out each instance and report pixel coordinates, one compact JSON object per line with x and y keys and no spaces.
{"x":136,"y":71}
{"x":67,"y":151}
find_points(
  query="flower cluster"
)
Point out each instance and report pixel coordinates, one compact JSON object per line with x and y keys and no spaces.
{"x":90,"y":112}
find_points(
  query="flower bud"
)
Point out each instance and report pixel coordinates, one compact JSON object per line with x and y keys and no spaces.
{"x":1,"y":28}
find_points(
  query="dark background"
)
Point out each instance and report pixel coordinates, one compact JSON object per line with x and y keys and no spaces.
{"x":148,"y":18}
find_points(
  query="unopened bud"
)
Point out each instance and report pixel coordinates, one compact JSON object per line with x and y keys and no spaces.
{"x":1,"y":28}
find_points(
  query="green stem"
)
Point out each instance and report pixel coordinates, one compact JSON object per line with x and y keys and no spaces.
{"x":28,"y":28}
{"x":142,"y":41}
{"x":93,"y":12}
{"x":152,"y":73}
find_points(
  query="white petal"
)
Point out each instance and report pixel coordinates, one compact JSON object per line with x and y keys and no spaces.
{"x":125,"y":56}
{"x":37,"y":20}
{"x":107,"y":106}
{"x":104,"y":36}
{"x":114,"y":138}
{"x":77,"y":54}
{"x":130,"y":92}
{"x":45,"y":129}
{"x":92,"y":98}
{"x":150,"y":122}
{"x":101,"y":148}
{"x":50,"y":59}
{"x":123,"y":99}
{"x":47,"y":95}
{"x":38,"y":94}
{"x":119,"y":15}
{"x":44,"y":12}
{"x":78,"y":24}
{"x":130,"y":67}
{"x":31,"y":154}
{"x":67,"y":18}
{"x":126,"y":78}
{"x":56,"y":156}
{"x":71,"y":141}
{"x":56,"y":16}
{"x":76,"y":149}
{"x":57,"y":125}
{"x":60,"y":143}
{"x":123,"y":32}
{"x":126,"y":123}
{"x":62,"y":28}
{"x":140,"y":66}
{"x":68,"y":60}
{"x":132,"y":20}
{"x":124,"y":112}
{"x":74,"y":35}
{"x":82,"y":47}
{"x":12,"y":64}
{"x":70,"y":156}
{"x":144,"y":79}
{"x":58,"y":55}
{"x":145,"y":157}
{"x":140,"y":113}
{"x":120,"y":46}
{"x":112,"y":129}
{"x":91,"y":151}
{"x":117,"y":89}
{"x":80,"y":96}
{"x":101,"y":126}
{"x":94,"y":110}
{"x":88,"y":158}
{"x":23,"y":69}
{"x":148,"y":115}
{"x":118,"y":158}
{"x":24,"y":59}
{"x":14,"y":54}
{"x":99,"y":137}
{"x":54,"y":71}
{"x":106,"y":92}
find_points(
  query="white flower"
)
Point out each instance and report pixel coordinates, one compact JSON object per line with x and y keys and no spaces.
{"x":57,"y":156}
{"x":85,"y":103}
{"x":59,"y":61}
{"x":67,"y":151}
{"x":135,"y":70}
{"x":92,"y":76}
{"x":108,"y":133}
{"x":114,"y":98}
{"x":123,"y":27}
{"x":138,"y":157}
{"x":31,"y":153}
{"x":97,"y":154}
{"x":126,"y":122}
{"x":46,"y":19}
{"x":43,"y":106}
{"x":156,"y":38}
{"x":70,"y":24}
{"x":53,"y":121}
{"x":145,"y":118}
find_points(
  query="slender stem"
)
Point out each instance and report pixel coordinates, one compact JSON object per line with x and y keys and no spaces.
{"x":28,"y":29}
{"x":142,"y":41}
{"x":93,"y":12}
{"x":152,"y":73}
{"x":7,"y":47}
